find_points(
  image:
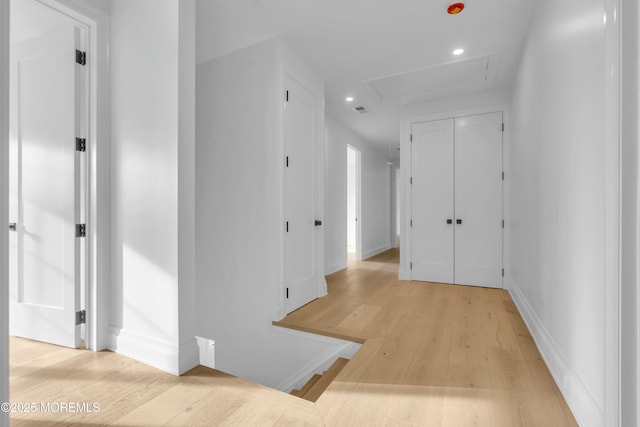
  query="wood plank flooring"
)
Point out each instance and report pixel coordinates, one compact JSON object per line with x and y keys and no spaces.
{"x":432,"y":355}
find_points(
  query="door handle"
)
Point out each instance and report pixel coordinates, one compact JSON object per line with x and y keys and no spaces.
{"x":449,"y":221}
{"x":318,"y":223}
{"x":458,"y":221}
{"x":13,"y":226}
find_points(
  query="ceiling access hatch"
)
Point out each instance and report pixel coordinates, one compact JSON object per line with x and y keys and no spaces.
{"x":464,"y":73}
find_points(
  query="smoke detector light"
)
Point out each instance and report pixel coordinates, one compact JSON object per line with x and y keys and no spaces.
{"x":455,"y":8}
{"x":458,"y":52}
{"x":349,"y":99}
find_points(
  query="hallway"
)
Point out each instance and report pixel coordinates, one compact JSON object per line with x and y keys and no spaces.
{"x":433,"y":354}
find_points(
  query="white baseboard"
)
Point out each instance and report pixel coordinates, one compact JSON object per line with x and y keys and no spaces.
{"x":189,"y":355}
{"x":584,"y":407}
{"x":320,"y":363}
{"x":160,"y":354}
{"x":334,"y":268}
{"x":376,"y":251}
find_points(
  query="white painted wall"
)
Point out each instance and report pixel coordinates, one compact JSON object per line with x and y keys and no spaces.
{"x":239,"y":100}
{"x":4,"y":207}
{"x":630,"y":217}
{"x":563,"y":193}
{"x":375,"y":219}
{"x":152,"y":149}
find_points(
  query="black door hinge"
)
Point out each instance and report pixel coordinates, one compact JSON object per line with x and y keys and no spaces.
{"x":411,"y":180}
{"x":503,"y":272}
{"x":503,"y":176}
{"x":81,"y":317}
{"x":287,"y":293}
{"x":411,"y":137}
{"x":81,"y":145}
{"x":81,"y":57}
{"x":286,"y":161}
{"x":81,"y":230}
{"x":287,"y":226}
{"x":410,"y":266}
{"x":503,"y":223}
{"x":503,"y":127}
{"x":287,"y":96}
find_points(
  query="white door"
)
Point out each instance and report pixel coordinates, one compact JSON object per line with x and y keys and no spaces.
{"x":45,"y":188}
{"x":432,"y":207}
{"x":478,"y":200}
{"x":301,"y":269}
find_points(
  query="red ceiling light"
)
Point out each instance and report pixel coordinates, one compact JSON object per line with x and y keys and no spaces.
{"x":455,"y":8}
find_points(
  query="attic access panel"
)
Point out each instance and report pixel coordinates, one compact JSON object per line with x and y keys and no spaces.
{"x":434,"y":78}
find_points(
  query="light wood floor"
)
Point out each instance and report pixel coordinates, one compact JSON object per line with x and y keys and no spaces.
{"x":432,"y":355}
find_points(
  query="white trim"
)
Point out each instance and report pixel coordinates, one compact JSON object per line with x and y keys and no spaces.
{"x":320,"y":363}
{"x":334,"y":268}
{"x":404,"y":272}
{"x":188,"y":355}
{"x":4,"y":207}
{"x":148,"y":350}
{"x":584,"y":406}
{"x":376,"y":251}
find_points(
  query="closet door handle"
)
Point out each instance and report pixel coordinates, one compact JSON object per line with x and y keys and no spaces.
{"x":13,"y":226}
{"x":449,"y":221}
{"x":458,"y":221}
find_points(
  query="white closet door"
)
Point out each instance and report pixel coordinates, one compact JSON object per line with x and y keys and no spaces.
{"x":301,"y":264}
{"x":478,"y":200}
{"x":432,"y":241}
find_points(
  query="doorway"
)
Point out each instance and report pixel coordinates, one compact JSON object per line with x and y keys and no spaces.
{"x":48,"y":174}
{"x":354,"y":241}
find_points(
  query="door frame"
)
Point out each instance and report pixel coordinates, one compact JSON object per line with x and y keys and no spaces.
{"x":404,"y":272}
{"x":358,"y":185}
{"x":97,"y":211}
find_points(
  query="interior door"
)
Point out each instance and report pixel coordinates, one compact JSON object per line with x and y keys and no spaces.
{"x":301,"y":270}
{"x":44,"y":188}
{"x":478,"y":200}
{"x":432,"y":201}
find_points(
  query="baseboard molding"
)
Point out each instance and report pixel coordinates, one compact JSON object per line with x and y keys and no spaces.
{"x":159,"y":354}
{"x":189,"y":355}
{"x":376,"y":251}
{"x":320,"y":363}
{"x":335,"y":268}
{"x":584,"y":407}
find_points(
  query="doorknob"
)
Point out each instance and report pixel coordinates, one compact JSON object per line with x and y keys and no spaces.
{"x":458,"y":221}
{"x":449,"y":221}
{"x":318,"y":223}
{"x":12,"y":226}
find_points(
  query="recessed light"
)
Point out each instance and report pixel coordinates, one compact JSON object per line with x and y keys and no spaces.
{"x":458,"y":52}
{"x":349,"y":99}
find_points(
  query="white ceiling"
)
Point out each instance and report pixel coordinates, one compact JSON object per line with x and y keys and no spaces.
{"x":352,"y":42}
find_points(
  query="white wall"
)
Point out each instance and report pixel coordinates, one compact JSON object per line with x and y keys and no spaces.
{"x":375,"y":210}
{"x":152,"y":96}
{"x":239,"y":161}
{"x":4,"y":208}
{"x":630,"y":321}
{"x":562,"y":187}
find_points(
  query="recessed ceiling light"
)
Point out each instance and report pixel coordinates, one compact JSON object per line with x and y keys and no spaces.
{"x":458,"y":52}
{"x":349,"y":99}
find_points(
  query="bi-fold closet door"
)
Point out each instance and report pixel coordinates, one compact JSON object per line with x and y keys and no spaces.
{"x":456,"y":200}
